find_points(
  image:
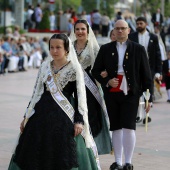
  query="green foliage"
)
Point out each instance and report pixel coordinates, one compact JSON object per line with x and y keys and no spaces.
{"x":150,"y":5}
{"x":167,"y":7}
{"x":21,"y":31}
{"x":106,"y":6}
{"x":45,"y":23}
{"x":89,"y":5}
{"x":5,"y":4}
{"x":1,"y":30}
{"x":65,"y":4}
{"x":153,"y":5}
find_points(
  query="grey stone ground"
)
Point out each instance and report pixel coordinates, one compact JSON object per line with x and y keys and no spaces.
{"x":152,"y":150}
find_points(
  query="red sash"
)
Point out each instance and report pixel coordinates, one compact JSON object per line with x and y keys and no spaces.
{"x":117,"y":89}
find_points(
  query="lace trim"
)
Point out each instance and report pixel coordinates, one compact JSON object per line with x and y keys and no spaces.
{"x":66,"y":74}
{"x":37,"y":92}
{"x":78,"y":54}
{"x":86,"y":59}
{"x":61,"y":79}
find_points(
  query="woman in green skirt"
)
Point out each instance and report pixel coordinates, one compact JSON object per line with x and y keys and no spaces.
{"x":87,"y":48}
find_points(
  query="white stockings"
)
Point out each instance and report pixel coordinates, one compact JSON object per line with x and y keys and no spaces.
{"x":123,"y":140}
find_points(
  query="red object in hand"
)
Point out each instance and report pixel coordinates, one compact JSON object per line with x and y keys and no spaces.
{"x":117,"y":89}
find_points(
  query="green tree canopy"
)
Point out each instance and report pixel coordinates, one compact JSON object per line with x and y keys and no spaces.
{"x":65,"y":4}
{"x":45,"y":23}
{"x":153,"y":5}
{"x":105,"y":6}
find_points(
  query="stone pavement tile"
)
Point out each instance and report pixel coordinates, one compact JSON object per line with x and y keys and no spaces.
{"x":150,"y":162}
{"x":4,"y":160}
{"x":140,"y":162}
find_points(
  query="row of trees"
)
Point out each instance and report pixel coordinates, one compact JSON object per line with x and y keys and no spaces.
{"x":105,"y":6}
{"x":89,"y":5}
{"x":108,"y":5}
{"x":152,"y":6}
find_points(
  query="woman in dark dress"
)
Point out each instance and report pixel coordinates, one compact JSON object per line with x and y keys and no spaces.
{"x":54,"y":136}
{"x":86,"y":48}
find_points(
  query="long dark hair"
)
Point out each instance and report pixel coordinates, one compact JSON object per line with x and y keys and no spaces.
{"x":61,"y":37}
{"x":81,"y":21}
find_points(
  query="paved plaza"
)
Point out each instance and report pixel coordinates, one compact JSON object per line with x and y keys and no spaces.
{"x":152,"y":151}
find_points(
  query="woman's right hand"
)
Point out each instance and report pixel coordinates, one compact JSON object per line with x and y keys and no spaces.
{"x":22,"y":126}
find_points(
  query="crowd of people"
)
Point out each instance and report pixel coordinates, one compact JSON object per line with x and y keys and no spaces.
{"x":33,"y":17}
{"x":20,"y":52}
{"x":87,"y":117}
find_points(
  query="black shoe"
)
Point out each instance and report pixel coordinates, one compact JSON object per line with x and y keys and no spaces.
{"x":115,"y":166}
{"x":168,"y":101}
{"x":128,"y":166}
{"x":149,"y":120}
{"x":138,"y":119}
{"x":23,"y":69}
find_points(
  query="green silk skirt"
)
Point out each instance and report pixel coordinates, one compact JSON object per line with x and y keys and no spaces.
{"x":103,"y":140}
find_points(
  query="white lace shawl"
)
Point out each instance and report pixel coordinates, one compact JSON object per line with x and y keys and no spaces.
{"x":86,"y":59}
{"x":92,"y":46}
{"x":64,"y":76}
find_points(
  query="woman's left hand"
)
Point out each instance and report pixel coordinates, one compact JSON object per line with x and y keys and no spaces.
{"x":78,"y":129}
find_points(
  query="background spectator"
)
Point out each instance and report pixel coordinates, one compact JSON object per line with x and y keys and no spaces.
{"x":157,"y":18}
{"x":38,"y":16}
{"x":28,"y":24}
{"x":52,"y":19}
{"x":96,"y":19}
{"x":105,"y":24}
